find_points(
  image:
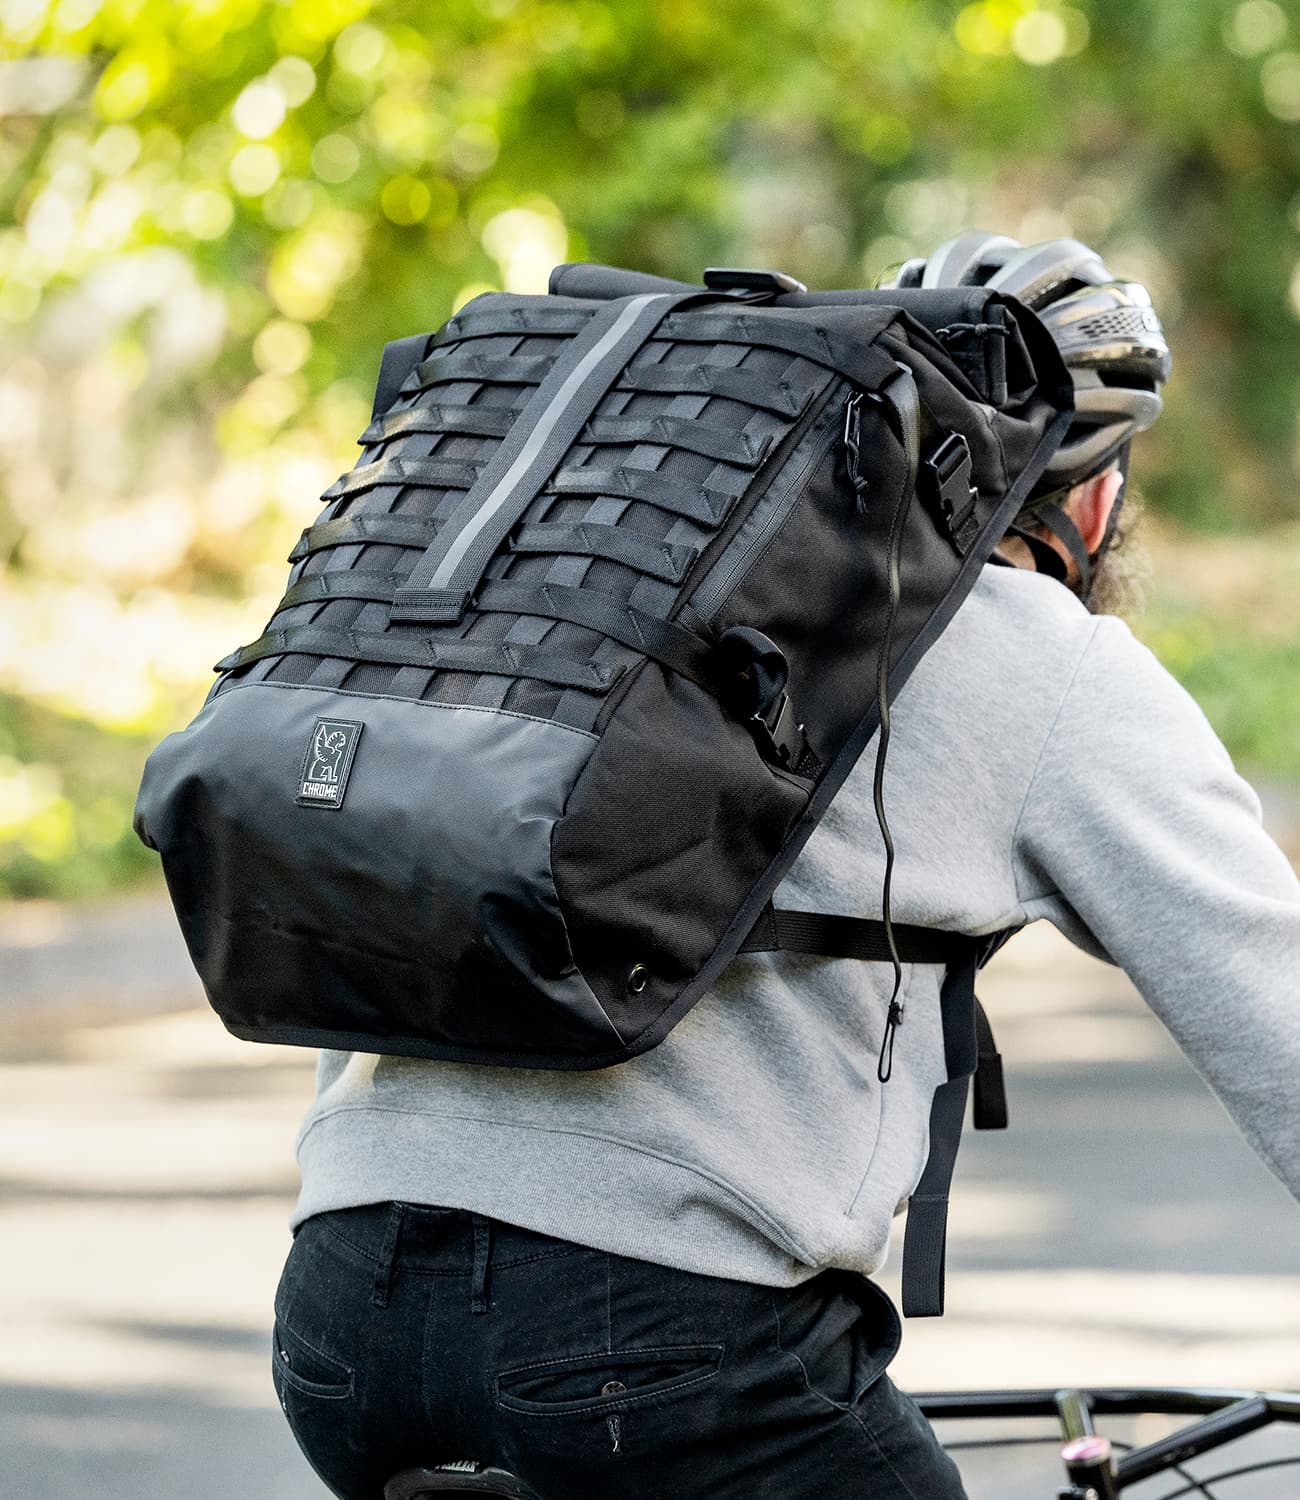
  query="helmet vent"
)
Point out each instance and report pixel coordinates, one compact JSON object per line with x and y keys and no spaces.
{"x":1123,"y":322}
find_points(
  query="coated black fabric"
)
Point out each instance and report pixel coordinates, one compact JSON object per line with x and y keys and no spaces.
{"x":366,"y":926}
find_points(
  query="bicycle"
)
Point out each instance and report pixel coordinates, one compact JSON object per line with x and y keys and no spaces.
{"x":1096,"y":1467}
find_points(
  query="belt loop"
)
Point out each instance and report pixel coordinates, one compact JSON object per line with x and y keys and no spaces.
{"x":478,"y":1300}
{"x":387,"y":1267}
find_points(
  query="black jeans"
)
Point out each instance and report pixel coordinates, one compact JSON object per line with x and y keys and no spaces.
{"x":407,"y":1336}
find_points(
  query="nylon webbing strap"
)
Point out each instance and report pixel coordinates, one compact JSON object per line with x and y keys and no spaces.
{"x":498,"y":369}
{"x":698,"y":503}
{"x":689,"y":434}
{"x":390,"y":530}
{"x":924,"y":1242}
{"x":724,"y":381}
{"x":853,"y":937}
{"x":444,"y":578}
{"x":857,"y":359}
{"x":400,"y":358}
{"x":500,"y":658}
{"x":670,"y":644}
{"x":475,"y":421}
{"x":665,"y":560}
{"x":513,"y":317}
{"x":427,"y":473}
{"x":990,"y":1107}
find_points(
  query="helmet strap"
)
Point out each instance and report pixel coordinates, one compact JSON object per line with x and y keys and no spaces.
{"x":1046,"y":559}
{"x":1063,"y":528}
{"x":1112,"y":520}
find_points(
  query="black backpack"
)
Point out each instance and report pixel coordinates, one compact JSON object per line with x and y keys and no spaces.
{"x":577,"y":655}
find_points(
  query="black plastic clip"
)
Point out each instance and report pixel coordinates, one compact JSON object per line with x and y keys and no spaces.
{"x":743,"y":279}
{"x":948,"y":471}
{"x":778,"y":735}
{"x":752,"y":674}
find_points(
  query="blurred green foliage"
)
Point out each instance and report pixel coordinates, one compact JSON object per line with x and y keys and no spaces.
{"x":214,"y":212}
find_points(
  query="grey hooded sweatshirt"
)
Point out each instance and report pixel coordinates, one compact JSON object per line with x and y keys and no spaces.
{"x":1042,"y":765}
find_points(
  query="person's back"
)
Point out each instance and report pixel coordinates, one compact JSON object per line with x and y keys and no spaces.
{"x":652,"y":1279}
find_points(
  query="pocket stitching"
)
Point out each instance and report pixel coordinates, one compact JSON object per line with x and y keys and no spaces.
{"x":520,"y":1405}
{"x":325,"y":1390}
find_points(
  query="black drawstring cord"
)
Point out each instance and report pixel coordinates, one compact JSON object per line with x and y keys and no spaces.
{"x":885,"y":1064}
{"x":894,"y":1017}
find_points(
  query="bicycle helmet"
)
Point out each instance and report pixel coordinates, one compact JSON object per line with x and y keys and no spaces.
{"x":1106,"y":329}
{"x":1109,"y":337}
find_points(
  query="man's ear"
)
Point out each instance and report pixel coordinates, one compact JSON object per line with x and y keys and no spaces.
{"x":1089,"y":505}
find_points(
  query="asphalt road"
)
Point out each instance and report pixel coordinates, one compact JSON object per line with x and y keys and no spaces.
{"x":1121,"y":1232}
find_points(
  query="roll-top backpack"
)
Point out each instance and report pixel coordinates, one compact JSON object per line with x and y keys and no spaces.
{"x":576,"y":656}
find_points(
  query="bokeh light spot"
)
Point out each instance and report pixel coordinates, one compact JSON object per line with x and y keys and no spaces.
{"x":404,"y":200}
{"x":289,"y":203}
{"x":526,"y":243}
{"x":254,"y":170}
{"x":362,"y":50}
{"x":1254,"y":27}
{"x":282,"y":347}
{"x":474,"y":148}
{"x":115,"y":151}
{"x":294,"y":79}
{"x":207,"y":213}
{"x":1039,"y":38}
{"x":259,"y":111}
{"x":983,"y":29}
{"x":128,"y":83}
{"x":1280,"y":77}
{"x":335,"y":158}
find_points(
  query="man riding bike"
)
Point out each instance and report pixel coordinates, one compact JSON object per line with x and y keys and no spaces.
{"x":653,"y":1279}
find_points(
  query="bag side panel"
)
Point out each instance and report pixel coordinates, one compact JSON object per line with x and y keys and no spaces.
{"x":420,"y":908}
{"x":678,"y":813}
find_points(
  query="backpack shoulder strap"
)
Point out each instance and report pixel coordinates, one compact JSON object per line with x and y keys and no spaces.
{"x":854,"y":937}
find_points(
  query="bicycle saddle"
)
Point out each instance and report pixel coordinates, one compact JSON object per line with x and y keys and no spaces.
{"x":462,"y":1476}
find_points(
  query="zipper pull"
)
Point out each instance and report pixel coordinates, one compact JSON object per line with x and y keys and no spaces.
{"x":853,"y":446}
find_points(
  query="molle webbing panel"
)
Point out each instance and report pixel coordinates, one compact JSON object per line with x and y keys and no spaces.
{"x":641,"y":491}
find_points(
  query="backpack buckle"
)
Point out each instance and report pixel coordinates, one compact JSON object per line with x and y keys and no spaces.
{"x":948,"y":472}
{"x":778,"y":735}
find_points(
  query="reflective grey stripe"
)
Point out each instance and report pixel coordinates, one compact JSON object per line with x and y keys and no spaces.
{"x":529,"y":453}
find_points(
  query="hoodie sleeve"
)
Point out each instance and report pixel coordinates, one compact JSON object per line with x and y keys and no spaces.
{"x":1142,"y":844}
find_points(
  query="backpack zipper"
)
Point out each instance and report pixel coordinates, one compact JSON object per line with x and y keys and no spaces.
{"x":722,"y":578}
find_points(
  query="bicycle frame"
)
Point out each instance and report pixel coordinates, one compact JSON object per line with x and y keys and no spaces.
{"x":1094,"y":1473}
